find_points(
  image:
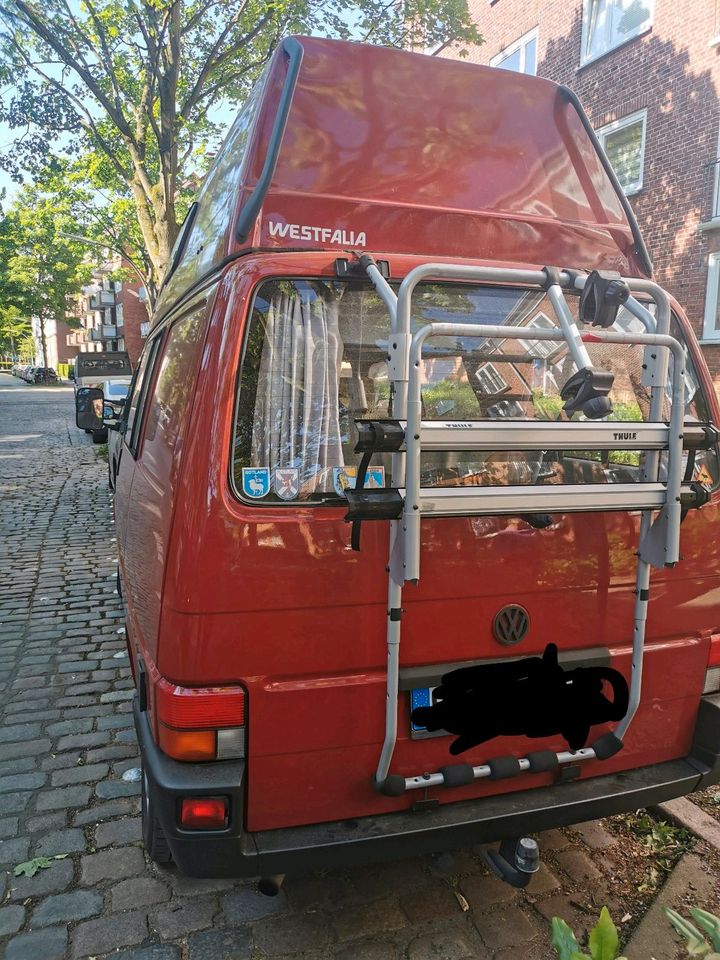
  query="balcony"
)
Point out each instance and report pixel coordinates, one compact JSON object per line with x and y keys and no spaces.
{"x":104,"y":332}
{"x":101,"y":299}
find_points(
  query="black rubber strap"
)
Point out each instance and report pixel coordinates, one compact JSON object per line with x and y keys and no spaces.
{"x":552,"y":277}
{"x":689,"y":470}
{"x":360,"y":485}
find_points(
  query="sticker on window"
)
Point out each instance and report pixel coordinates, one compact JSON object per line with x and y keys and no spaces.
{"x":287,"y":483}
{"x":256,"y":482}
{"x":346,"y":477}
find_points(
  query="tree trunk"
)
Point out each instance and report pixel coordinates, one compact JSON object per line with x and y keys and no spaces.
{"x":43,"y":340}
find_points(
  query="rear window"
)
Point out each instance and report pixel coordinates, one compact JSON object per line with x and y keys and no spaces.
{"x":315,"y":361}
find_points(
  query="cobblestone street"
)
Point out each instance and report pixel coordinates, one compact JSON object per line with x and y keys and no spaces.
{"x":67,"y":739}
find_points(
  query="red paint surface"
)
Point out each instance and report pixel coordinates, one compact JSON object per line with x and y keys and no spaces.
{"x":273,"y":598}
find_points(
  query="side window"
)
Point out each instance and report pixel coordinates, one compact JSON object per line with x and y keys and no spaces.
{"x":137,"y":394}
{"x":178,"y":363}
{"x":203,"y":242}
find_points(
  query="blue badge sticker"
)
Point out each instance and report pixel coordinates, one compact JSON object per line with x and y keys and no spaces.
{"x":375,"y":477}
{"x":344,"y":477}
{"x":256,"y":482}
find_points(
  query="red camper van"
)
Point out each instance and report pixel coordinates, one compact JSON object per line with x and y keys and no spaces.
{"x":411,"y":295}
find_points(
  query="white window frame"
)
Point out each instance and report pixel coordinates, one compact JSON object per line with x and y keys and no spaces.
{"x":492,"y":373}
{"x":630,"y":120}
{"x":715,"y":212}
{"x":711,"y":334}
{"x":519,"y":44}
{"x":541,"y":349}
{"x":584,"y":59}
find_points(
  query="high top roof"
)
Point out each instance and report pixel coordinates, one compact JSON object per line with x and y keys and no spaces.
{"x":433,"y":156}
{"x":346,"y":146}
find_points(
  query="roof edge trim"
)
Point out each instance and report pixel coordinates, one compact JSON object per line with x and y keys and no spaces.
{"x":294,"y":51}
{"x":641,"y":250}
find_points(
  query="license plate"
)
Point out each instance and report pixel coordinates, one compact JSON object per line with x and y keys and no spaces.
{"x":422,"y":697}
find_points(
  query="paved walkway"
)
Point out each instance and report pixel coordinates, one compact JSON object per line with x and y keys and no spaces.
{"x":66,"y":739}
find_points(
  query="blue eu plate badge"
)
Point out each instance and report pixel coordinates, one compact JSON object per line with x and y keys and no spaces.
{"x":256,"y":482}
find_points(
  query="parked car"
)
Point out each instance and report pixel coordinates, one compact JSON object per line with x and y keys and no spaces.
{"x":114,"y":394}
{"x":276,"y":707}
{"x":28,"y":374}
{"x":44,"y":375}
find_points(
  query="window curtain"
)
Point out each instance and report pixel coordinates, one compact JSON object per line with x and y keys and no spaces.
{"x":297,"y":413}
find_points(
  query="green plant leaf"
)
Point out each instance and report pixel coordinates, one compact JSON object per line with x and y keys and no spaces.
{"x":563,"y":939}
{"x":604,"y":938}
{"x":697,"y":945}
{"x":31,"y":867}
{"x":710,"y":924}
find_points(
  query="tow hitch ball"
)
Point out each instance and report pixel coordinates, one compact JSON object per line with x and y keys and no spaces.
{"x":516,"y":860}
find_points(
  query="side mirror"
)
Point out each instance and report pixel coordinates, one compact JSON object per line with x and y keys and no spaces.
{"x":112,"y":415}
{"x":89,"y":403}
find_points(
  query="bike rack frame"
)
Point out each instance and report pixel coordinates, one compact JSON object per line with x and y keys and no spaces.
{"x":659,"y":538}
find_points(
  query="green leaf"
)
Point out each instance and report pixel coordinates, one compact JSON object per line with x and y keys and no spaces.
{"x":697,"y":946}
{"x":604,"y":938}
{"x":710,"y":924}
{"x":31,"y":867}
{"x":563,"y":939}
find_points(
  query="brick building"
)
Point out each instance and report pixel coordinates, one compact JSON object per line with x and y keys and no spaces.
{"x":112,"y":314}
{"x":648,"y":75}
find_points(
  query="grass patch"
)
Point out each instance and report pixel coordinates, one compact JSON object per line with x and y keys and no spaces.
{"x":101,"y":451}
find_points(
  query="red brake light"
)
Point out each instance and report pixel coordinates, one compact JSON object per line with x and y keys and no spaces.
{"x":204,"y":813}
{"x":197,"y":708}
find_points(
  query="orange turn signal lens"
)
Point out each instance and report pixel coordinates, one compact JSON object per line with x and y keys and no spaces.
{"x":714,"y":657}
{"x":188,"y":744}
{"x":204,"y":813}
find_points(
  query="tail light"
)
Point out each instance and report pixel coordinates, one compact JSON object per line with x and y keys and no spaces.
{"x":204,"y":813}
{"x":200,"y":723}
{"x":712,"y":674}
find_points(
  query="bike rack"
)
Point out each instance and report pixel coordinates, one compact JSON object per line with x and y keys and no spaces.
{"x":662,"y":502}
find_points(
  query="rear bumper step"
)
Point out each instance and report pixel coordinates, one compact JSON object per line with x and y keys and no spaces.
{"x":235,"y":853}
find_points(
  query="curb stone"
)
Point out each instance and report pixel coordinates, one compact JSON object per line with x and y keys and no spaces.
{"x":654,"y":938}
{"x":687,"y":814}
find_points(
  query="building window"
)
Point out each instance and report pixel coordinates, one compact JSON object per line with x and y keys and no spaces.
{"x":711,"y":326}
{"x":541,"y":348}
{"x":607,"y":24}
{"x":715,"y":41}
{"x":624,"y":143}
{"x":520,"y":56}
{"x":490,"y":380}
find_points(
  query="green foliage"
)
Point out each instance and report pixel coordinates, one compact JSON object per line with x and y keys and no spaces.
{"x":696,"y":944}
{"x":30,"y":867}
{"x":603,"y":942}
{"x":132,"y":94}
{"x":40,"y":267}
{"x":450,"y":398}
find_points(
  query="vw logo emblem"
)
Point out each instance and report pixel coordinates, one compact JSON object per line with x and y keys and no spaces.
{"x":511,"y":624}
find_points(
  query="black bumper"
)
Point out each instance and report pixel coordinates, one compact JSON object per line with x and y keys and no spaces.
{"x":235,"y":853}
